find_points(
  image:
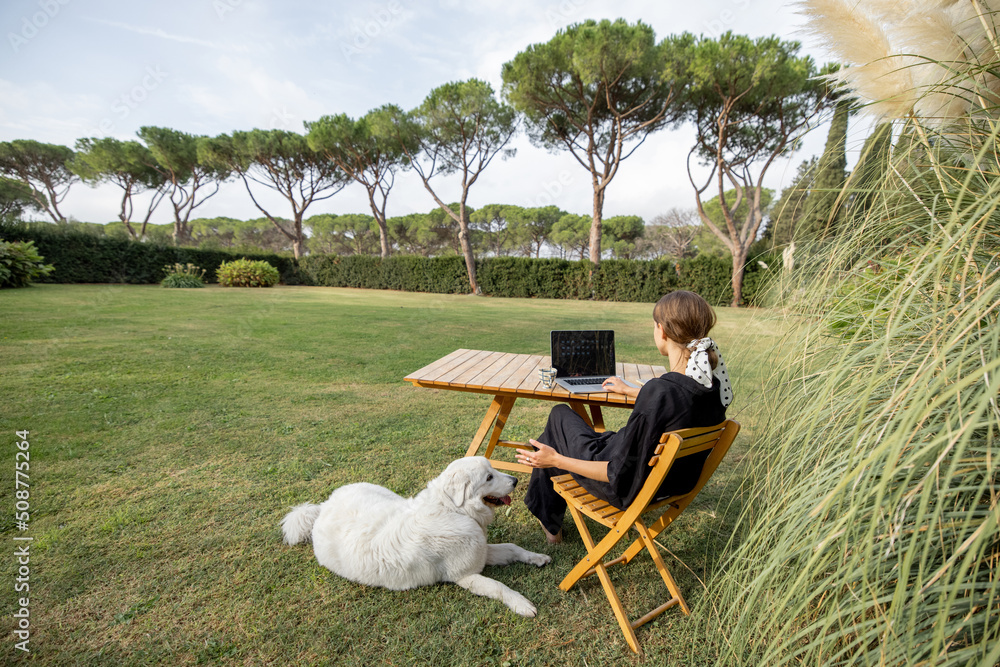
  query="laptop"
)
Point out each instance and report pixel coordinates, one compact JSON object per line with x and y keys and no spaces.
{"x":583,"y":359}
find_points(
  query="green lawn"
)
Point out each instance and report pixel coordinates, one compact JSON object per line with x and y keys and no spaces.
{"x":170,"y":430}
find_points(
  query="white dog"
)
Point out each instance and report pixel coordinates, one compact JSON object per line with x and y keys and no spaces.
{"x":368,"y":534}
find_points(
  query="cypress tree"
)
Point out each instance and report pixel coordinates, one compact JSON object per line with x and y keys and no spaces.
{"x":791,"y":207}
{"x":821,"y":219}
{"x":871,"y":169}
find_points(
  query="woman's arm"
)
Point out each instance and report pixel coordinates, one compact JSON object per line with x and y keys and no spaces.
{"x":546,"y":457}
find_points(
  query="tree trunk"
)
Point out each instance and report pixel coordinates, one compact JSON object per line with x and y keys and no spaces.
{"x":383,"y":236}
{"x":739,"y":261}
{"x":383,"y":231}
{"x":131,"y":232}
{"x":57,"y":216}
{"x":181,"y":232}
{"x":298,"y":236}
{"x":595,"y":226}
{"x":463,"y":239}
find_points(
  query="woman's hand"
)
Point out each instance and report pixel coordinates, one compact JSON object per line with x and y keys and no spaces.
{"x":543,"y":456}
{"x":616,"y":385}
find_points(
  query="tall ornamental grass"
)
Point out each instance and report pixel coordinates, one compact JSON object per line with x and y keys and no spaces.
{"x":870,"y":534}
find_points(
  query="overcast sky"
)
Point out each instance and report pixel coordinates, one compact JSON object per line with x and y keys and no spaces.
{"x":85,"y":68}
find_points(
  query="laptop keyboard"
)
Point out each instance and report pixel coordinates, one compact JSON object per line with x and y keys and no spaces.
{"x":578,"y":381}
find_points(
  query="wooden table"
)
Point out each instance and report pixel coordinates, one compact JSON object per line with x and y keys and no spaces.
{"x":508,"y":377}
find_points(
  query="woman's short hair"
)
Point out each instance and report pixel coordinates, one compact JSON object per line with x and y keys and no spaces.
{"x":685,"y":316}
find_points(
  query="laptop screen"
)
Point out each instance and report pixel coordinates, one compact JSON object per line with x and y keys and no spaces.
{"x":583,"y":353}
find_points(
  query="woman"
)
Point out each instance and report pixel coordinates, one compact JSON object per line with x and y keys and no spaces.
{"x":612,"y":465}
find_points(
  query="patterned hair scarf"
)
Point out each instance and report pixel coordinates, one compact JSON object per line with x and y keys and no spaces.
{"x":700,"y":369}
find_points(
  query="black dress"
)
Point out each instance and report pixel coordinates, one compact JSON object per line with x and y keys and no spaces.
{"x":667,"y":403}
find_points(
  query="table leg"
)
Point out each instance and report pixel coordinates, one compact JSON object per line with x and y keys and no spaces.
{"x":505,"y":406}
{"x":598,"y":418}
{"x":484,"y":428}
{"x":498,"y":412}
{"x":581,"y":409}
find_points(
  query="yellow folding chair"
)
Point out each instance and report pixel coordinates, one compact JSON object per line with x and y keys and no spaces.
{"x":673,"y":446}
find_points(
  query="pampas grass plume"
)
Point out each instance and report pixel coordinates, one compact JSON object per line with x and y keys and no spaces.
{"x":931,"y":58}
{"x":872,"y":71}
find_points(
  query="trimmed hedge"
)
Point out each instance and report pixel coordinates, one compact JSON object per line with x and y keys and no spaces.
{"x":85,"y":258}
{"x":524,"y":277}
{"x":408,"y":273}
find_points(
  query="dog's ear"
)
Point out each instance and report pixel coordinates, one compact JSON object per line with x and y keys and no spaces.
{"x":455,"y":484}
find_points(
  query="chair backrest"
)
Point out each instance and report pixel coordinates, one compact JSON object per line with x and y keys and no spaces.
{"x":676,"y":445}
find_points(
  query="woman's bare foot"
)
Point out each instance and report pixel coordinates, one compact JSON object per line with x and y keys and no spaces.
{"x":552,"y":539}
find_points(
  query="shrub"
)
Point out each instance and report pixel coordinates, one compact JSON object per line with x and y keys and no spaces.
{"x":247,"y":273}
{"x":20,"y":263}
{"x":183,"y":275}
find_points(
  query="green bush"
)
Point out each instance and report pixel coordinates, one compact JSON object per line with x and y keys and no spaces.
{"x":181,"y":280}
{"x":20,"y":263}
{"x":183,"y":275}
{"x":247,"y":273}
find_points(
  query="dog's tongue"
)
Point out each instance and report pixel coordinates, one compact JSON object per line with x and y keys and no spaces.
{"x":505,"y":500}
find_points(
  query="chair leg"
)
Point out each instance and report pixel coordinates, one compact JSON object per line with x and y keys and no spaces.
{"x":594,"y":555}
{"x":654,"y":529}
{"x":602,"y":574}
{"x":616,"y":606}
{"x":675,"y":591}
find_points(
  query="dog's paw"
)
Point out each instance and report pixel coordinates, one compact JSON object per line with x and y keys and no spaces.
{"x":522,"y":606}
{"x":538,"y":559}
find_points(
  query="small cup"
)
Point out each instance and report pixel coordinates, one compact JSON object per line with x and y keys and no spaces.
{"x":547,"y":376}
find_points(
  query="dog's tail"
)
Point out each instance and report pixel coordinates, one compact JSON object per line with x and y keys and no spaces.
{"x":298,"y":524}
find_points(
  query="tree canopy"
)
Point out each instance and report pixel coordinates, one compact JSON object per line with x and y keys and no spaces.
{"x":281,"y":161}
{"x":15,"y":198}
{"x":597,"y":90}
{"x":571,"y":233}
{"x":127,"y":164}
{"x":621,"y":233}
{"x":459,"y":128}
{"x":192,"y":182}
{"x":42,"y":168}
{"x":750,"y":100}
{"x":366,"y":150}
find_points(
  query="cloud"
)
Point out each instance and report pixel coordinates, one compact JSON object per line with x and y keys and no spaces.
{"x":244,"y":95}
{"x":42,"y":112}
{"x":157,"y":32}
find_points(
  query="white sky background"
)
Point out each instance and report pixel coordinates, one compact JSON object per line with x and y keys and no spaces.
{"x":83,"y":68}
